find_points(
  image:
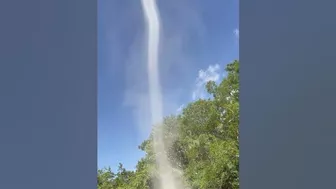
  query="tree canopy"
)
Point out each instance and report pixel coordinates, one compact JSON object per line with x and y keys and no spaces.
{"x":202,"y":142}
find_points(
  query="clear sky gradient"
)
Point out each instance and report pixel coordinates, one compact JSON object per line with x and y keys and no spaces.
{"x":198,"y":39}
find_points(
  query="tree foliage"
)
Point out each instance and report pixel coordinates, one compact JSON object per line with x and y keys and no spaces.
{"x":202,"y":142}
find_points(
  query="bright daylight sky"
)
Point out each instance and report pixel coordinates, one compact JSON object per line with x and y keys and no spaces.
{"x":198,"y":39}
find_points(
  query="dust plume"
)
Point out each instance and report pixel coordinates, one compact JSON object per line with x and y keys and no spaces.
{"x":167,"y":179}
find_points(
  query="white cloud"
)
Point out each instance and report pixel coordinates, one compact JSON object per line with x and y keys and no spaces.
{"x":212,"y":73}
{"x":179,"y":110}
{"x":236,"y":33}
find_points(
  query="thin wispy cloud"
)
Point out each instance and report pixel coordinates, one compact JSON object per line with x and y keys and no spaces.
{"x":212,"y":73}
{"x":236,"y":33}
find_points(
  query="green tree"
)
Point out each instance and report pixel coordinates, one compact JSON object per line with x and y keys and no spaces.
{"x":209,"y":132}
{"x":203,"y":142}
{"x":105,"y":178}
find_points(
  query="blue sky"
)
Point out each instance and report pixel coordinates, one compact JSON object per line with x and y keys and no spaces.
{"x":198,"y":38}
